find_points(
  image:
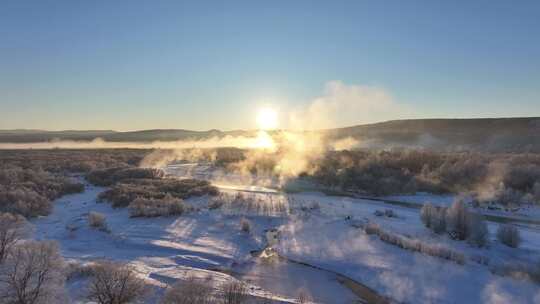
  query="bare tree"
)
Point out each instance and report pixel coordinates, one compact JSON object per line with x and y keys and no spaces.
{"x":234,"y":292}
{"x":115,"y":283}
{"x":32,"y":274}
{"x":12,"y":228}
{"x":190,"y":291}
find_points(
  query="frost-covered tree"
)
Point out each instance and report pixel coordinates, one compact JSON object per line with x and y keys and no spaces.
{"x":457,"y":220}
{"x":438,"y":220}
{"x":234,"y":292}
{"x":303,"y":296}
{"x":426,"y":214}
{"x":115,"y":283}
{"x":509,"y":235}
{"x":33,"y":273}
{"x":478,"y":232}
{"x":433,"y":217}
{"x":12,"y":228}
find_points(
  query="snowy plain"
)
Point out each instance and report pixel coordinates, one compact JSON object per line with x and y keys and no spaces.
{"x":314,"y":228}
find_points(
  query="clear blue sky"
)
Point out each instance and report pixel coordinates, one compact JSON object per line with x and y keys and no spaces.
{"x":209,"y":64}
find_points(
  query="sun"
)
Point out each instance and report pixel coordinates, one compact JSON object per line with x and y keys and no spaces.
{"x":267,"y":119}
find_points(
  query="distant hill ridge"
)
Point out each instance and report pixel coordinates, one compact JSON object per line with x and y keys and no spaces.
{"x":476,"y":133}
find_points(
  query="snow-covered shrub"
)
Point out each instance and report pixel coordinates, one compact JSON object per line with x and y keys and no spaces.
{"x":426,"y":214}
{"x":123,"y":193}
{"x":372,"y":228}
{"x":111,"y":176}
{"x":12,"y":229}
{"x":234,"y":292}
{"x":245,"y":225}
{"x":461,"y":224}
{"x":386,"y":213}
{"x":438,"y":220}
{"x":378,"y":212}
{"x":28,"y":191}
{"x":480,"y":259}
{"x":478,"y":231}
{"x":190,"y":291}
{"x":269,"y":205}
{"x":77,"y":270}
{"x":414,"y":244}
{"x":457,"y":220}
{"x":97,"y":220}
{"x":142,"y":207}
{"x":24,"y":201}
{"x":434,"y":217}
{"x":303,"y":296}
{"x":215,"y":203}
{"x":518,"y":270}
{"x":389,"y":213}
{"x":72,"y":187}
{"x":442,"y":252}
{"x":509,"y":235}
{"x":33,"y":273}
{"x":114,"y":282}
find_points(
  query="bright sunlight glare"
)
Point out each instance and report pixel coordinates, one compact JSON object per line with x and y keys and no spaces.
{"x":267,"y":119}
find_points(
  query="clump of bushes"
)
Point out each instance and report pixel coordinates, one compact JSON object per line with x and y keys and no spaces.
{"x":414,"y":244}
{"x":190,"y":291}
{"x":245,"y":225}
{"x":29,"y":192}
{"x":509,"y":235}
{"x":125,"y":192}
{"x":24,"y":201}
{"x":98,"y":221}
{"x":385,"y":213}
{"x":111,"y":176}
{"x":464,"y":225}
{"x":143,"y":207}
{"x":234,"y":292}
{"x":215,"y":203}
{"x":518,"y":270}
{"x":457,"y":221}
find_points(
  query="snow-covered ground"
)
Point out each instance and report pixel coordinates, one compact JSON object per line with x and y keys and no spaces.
{"x":166,"y":249}
{"x":314,"y":228}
